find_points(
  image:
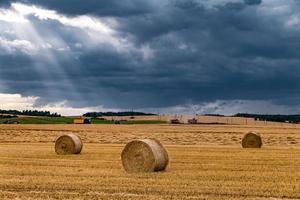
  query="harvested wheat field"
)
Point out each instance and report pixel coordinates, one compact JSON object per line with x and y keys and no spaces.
{"x":206,"y":162}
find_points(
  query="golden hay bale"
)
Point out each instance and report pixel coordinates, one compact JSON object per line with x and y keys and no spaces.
{"x":252,"y":140}
{"x":146,"y":155}
{"x":68,"y":144}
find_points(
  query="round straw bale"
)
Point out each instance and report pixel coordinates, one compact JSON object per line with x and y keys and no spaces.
{"x":252,"y":140}
{"x":68,"y":144}
{"x":146,"y":155}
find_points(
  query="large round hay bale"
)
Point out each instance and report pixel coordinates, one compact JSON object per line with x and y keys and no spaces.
{"x":252,"y":140}
{"x":146,"y":155}
{"x":68,"y":144}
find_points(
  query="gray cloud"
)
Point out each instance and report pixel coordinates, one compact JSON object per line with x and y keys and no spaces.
{"x":103,"y":8}
{"x":177,"y":53}
{"x":253,"y":2}
{"x":5,"y":3}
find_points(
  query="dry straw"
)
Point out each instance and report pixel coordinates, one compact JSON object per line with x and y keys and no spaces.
{"x":146,"y":155}
{"x":68,"y":144}
{"x":252,"y":140}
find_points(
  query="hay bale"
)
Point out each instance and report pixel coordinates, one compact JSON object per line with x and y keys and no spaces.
{"x":68,"y":144}
{"x":252,"y":140}
{"x":146,"y":155}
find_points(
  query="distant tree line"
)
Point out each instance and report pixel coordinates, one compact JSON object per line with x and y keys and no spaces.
{"x":30,"y":113}
{"x":119,"y":114}
{"x":214,"y":115}
{"x":273,"y":118}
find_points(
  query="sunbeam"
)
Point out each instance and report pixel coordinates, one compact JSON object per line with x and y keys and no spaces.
{"x":45,"y":52}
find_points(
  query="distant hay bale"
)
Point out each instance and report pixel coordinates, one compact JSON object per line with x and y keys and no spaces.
{"x":252,"y":140}
{"x":146,"y":155}
{"x":68,"y":144}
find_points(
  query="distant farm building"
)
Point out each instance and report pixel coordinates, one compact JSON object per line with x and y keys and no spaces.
{"x":175,"y":121}
{"x":193,"y":121}
{"x":82,"y":121}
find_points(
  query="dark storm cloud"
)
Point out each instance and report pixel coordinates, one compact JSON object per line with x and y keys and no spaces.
{"x":5,"y":3}
{"x":119,"y":8}
{"x":96,"y":7}
{"x":197,"y":54}
{"x":253,"y":2}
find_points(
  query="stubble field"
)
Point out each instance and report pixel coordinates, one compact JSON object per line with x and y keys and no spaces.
{"x":207,"y":162}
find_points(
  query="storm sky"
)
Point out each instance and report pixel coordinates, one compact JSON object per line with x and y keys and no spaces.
{"x":168,"y":56}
